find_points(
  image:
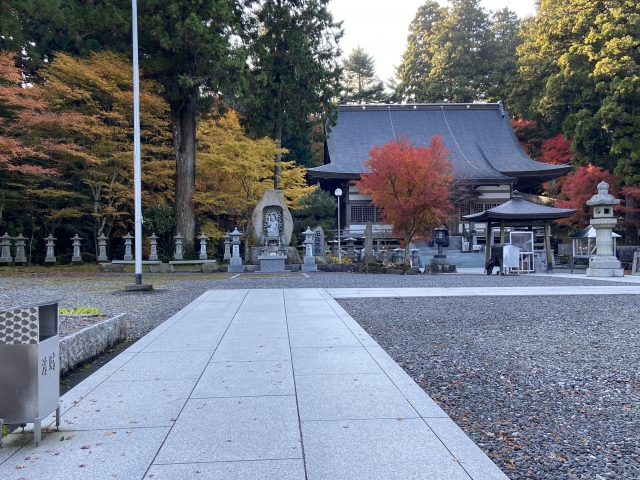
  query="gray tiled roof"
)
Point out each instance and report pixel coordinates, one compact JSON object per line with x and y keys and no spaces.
{"x":479,"y":136}
{"x":519,"y":209}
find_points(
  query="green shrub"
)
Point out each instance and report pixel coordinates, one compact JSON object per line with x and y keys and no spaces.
{"x":80,"y":311}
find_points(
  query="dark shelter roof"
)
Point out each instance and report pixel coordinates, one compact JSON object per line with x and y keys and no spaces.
{"x":479,"y":137}
{"x":518,"y":209}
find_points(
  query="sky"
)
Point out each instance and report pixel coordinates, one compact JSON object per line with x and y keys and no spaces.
{"x":381,"y":27}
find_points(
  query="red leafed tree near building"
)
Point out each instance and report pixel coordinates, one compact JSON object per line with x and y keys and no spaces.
{"x":580,"y":186}
{"x":410,"y":184}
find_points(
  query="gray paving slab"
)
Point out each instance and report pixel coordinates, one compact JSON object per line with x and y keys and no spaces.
{"x":245,"y":379}
{"x":163,"y":366}
{"x":252,"y":350}
{"x":336,"y":360}
{"x":295,"y":322}
{"x":377,"y":449}
{"x":225,"y":295}
{"x":249,"y":318}
{"x":136,"y":404}
{"x":323,"y":336}
{"x":258,"y":331}
{"x":230,"y":429}
{"x":179,"y":340}
{"x":86,"y":455}
{"x":255,"y":470}
{"x":355,"y":396}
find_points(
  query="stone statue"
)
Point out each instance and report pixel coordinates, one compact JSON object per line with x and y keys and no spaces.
{"x":273,"y":226}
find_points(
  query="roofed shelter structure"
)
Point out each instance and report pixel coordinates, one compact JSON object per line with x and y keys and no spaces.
{"x":484,"y":151}
{"x":518,"y":212}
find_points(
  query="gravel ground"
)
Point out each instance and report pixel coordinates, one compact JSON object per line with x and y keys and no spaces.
{"x":548,"y":387}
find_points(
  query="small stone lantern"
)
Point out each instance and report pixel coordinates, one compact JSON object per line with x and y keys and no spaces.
{"x":604,"y":263}
{"x":153,"y":243}
{"x":128,"y":238}
{"x":203,"y":246}
{"x":309,"y":264}
{"x":178,"y":255}
{"x":76,"y":258}
{"x":235,"y":262}
{"x":5,"y":244}
{"x":102,"y":248}
{"x":227,"y":247}
{"x":351,"y":248}
{"x":21,"y":258}
{"x":415,"y":258}
{"x":439,"y":263}
{"x":50,"y":258}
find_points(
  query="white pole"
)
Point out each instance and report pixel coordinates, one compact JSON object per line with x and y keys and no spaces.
{"x":338,"y":193}
{"x":136,"y":147}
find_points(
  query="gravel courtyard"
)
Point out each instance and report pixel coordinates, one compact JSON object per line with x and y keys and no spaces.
{"x":547,"y":386}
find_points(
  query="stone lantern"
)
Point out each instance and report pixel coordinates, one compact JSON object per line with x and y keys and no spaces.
{"x":235,"y":263}
{"x":76,"y":258}
{"x":604,"y":263}
{"x":309,"y":264}
{"x":153,"y":244}
{"x":203,"y":246}
{"x":21,"y":258}
{"x":102,"y":248}
{"x":50,"y":258}
{"x":5,"y":245}
{"x":128,"y":256}
{"x":351,"y":248}
{"x":439,"y":263}
{"x":178,"y":255}
{"x":227,"y":247}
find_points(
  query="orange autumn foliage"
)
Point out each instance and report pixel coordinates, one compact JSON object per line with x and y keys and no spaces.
{"x":410,"y":184}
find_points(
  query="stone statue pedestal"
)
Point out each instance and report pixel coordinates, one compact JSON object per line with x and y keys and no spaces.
{"x":440,"y":264}
{"x":272,"y":264}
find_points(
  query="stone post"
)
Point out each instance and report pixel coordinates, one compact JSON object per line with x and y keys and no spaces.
{"x":309,"y":264}
{"x":318,"y":242}
{"x":153,"y":243}
{"x":203,"y":246}
{"x":102,"y":248}
{"x":604,"y":263}
{"x":50,"y":258}
{"x":178,"y":255}
{"x":235,"y":263}
{"x":127,"y":247}
{"x":5,"y":244}
{"x":368,"y":256}
{"x":21,"y":258}
{"x":76,"y":258}
{"x":415,"y":258}
{"x":227,"y":247}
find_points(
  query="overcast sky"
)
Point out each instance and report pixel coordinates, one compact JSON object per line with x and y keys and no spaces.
{"x":381,"y":26}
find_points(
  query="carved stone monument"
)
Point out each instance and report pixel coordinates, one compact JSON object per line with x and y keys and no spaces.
{"x":318,"y":242}
{"x":368,"y":244}
{"x":604,"y":263}
{"x":272,"y":229}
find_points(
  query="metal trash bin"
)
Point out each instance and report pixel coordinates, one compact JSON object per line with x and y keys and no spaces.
{"x":29,"y":365}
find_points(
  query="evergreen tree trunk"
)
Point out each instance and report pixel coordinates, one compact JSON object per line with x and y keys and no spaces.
{"x":277,"y":171}
{"x":184,"y":127}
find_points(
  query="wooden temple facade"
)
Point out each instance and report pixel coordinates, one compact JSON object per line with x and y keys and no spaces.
{"x":488,"y":161}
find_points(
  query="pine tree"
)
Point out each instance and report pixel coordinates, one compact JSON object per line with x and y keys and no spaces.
{"x":360,"y":83}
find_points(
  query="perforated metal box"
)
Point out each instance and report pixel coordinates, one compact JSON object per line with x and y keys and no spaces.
{"x":29,"y":365}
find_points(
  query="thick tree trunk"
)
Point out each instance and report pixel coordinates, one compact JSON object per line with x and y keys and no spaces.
{"x":184,"y":127}
{"x":277,"y":173}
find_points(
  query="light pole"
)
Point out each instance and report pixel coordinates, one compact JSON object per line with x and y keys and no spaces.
{"x":338,"y":193}
{"x":136,"y":146}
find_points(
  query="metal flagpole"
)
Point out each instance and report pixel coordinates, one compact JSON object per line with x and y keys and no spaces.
{"x":136,"y":148}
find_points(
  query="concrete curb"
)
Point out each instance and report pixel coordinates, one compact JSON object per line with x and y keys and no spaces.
{"x":90,"y":342}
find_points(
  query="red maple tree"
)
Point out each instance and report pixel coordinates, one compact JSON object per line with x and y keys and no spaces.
{"x":410,"y":184}
{"x":580,"y":186}
{"x":556,"y":150}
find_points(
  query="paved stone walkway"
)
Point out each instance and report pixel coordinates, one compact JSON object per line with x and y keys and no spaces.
{"x":251,"y":384}
{"x":260,"y":384}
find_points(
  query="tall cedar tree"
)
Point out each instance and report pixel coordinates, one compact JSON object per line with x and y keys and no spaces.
{"x":410,"y":184}
{"x":360,"y":83}
{"x":448,"y":56}
{"x":295,"y":71}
